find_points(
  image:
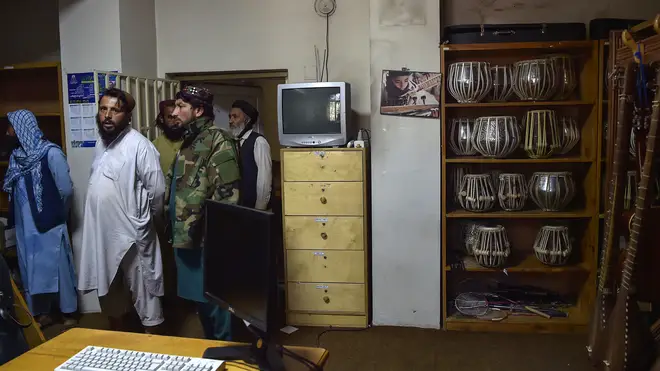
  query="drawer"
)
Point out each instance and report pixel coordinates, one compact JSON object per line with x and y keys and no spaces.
{"x":325,"y":320}
{"x":314,"y":198}
{"x":325,"y":266}
{"x":322,"y":166}
{"x":326,"y":297}
{"x":332,"y":232}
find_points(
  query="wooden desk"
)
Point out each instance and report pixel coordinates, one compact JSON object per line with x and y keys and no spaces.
{"x":54,"y":352}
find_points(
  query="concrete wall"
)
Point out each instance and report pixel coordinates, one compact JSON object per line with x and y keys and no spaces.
{"x":29,"y":30}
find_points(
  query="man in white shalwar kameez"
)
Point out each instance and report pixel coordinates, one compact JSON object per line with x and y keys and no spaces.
{"x":121,"y":256}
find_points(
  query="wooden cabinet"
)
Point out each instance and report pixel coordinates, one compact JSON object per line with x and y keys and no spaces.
{"x":324,"y":197}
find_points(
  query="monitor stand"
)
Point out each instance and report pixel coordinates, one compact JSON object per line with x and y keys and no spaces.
{"x":262,"y":353}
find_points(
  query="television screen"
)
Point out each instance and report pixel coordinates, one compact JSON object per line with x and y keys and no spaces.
{"x":311,"y":111}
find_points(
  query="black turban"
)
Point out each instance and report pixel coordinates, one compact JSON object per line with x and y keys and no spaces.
{"x":248,"y":110}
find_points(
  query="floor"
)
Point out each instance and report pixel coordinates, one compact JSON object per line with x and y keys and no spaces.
{"x":412,"y":349}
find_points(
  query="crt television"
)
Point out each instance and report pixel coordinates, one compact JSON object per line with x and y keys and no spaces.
{"x":316,"y":114}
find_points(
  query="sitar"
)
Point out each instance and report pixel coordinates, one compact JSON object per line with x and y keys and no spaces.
{"x":630,"y":344}
{"x":597,"y":341}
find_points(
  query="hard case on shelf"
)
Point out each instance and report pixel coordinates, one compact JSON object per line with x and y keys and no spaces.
{"x":517,"y":32}
{"x":599,"y":28}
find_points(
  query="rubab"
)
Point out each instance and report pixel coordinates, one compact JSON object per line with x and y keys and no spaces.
{"x":630,"y":344}
{"x":597,"y":341}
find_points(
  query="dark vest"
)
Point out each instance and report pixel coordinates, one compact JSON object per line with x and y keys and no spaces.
{"x":247,"y":195}
{"x":52,"y":212}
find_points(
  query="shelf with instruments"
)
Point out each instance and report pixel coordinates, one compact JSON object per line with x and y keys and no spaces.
{"x":467,"y":171}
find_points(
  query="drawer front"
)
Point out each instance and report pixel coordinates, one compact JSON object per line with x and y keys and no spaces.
{"x":322,"y":166}
{"x":325,"y":320}
{"x":326,"y":297}
{"x":325,"y":266}
{"x":322,"y":233}
{"x":314,"y":198}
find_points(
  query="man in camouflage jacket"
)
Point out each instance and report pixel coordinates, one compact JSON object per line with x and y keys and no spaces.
{"x":206,"y":167}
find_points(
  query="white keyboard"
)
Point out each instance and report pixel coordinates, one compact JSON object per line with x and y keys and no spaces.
{"x":94,"y":358}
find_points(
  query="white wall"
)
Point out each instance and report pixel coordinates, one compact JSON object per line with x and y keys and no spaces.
{"x":406,"y":181}
{"x":209,"y":35}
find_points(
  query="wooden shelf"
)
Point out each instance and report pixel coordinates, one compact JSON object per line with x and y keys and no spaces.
{"x":518,"y":46}
{"x":39,"y":108}
{"x":528,"y":265}
{"x":520,"y":104}
{"x":522,"y":227}
{"x":521,"y":323}
{"x":488,"y":160}
{"x":527,"y":214}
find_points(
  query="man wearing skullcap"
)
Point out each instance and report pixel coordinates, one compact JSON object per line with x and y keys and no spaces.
{"x":40,"y":190}
{"x":206,"y":167}
{"x":120,"y":255}
{"x":254,"y":153}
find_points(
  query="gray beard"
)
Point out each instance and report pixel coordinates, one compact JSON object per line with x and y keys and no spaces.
{"x":236,"y":131}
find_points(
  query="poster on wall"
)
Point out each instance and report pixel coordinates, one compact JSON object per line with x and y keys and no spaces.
{"x":82,"y":107}
{"x":410,"y":93}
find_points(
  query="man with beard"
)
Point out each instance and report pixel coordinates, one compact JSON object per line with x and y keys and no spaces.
{"x":120,"y":256}
{"x":40,"y":190}
{"x":170,"y":141}
{"x":204,"y":168}
{"x":255,"y":162}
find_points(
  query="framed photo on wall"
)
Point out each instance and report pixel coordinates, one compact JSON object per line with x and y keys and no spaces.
{"x":410,"y":93}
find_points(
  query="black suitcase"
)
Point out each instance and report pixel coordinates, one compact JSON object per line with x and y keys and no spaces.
{"x":599,"y":28}
{"x":517,"y":32}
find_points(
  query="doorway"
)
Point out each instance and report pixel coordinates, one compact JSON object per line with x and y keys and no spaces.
{"x":259,"y":88}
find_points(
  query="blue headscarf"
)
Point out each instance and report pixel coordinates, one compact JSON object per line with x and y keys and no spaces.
{"x":27,"y":158}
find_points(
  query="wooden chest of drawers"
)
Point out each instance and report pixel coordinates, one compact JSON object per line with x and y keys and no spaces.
{"x":324,"y":206}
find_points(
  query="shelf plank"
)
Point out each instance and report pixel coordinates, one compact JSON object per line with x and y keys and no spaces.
{"x":39,"y":108}
{"x":489,"y":160}
{"x":582,"y":44}
{"x":519,"y":323}
{"x":520,"y":104}
{"x":527,"y":214}
{"x":529,"y":265}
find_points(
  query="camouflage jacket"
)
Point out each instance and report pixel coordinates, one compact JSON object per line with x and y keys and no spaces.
{"x":206,"y":167}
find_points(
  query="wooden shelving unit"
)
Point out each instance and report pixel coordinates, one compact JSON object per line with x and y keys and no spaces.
{"x":577,"y":278}
{"x":38,"y":88}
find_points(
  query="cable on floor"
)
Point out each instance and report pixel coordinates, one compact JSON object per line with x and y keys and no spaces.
{"x":318,"y":338}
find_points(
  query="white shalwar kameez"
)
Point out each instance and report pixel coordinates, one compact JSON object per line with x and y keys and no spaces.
{"x":126,"y":189}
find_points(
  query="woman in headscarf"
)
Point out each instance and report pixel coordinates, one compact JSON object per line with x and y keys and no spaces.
{"x":40,"y":190}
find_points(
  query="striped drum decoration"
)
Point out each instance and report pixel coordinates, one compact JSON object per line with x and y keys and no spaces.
{"x":535,"y":79}
{"x":491,"y":247}
{"x":512,"y":192}
{"x":552,"y":191}
{"x":542,"y":136}
{"x":477,"y":192}
{"x":469,"y":82}
{"x":461,"y":132}
{"x":569,"y":134}
{"x":502,"y":83}
{"x":496,"y":136}
{"x":552,"y":245}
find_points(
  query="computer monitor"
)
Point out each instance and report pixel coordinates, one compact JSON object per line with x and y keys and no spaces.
{"x":240,"y":275}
